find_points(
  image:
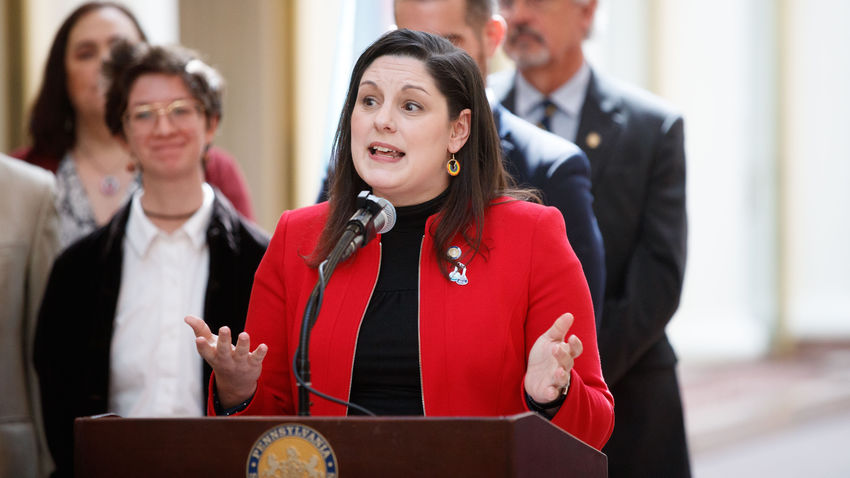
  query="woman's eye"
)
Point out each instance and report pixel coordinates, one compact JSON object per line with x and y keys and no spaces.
{"x":411,"y":106}
{"x":85,"y":54}
{"x":181,"y":111}
{"x":368,"y":101}
{"x":146,"y":115}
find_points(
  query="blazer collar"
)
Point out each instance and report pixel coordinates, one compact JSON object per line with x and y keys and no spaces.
{"x":221,"y":238}
{"x":223,"y":222}
{"x":114,"y":231}
{"x":601,"y":124}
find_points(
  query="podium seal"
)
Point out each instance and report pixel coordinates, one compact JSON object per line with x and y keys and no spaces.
{"x":291,"y":450}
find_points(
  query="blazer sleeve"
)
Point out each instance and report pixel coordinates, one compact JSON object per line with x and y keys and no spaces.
{"x":568,"y":189}
{"x":267,"y":323}
{"x":635,"y":320}
{"x":55,"y":360}
{"x":557,"y":286}
{"x":44,"y":248}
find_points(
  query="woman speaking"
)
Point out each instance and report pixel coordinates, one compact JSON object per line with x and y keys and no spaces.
{"x":474,"y":304}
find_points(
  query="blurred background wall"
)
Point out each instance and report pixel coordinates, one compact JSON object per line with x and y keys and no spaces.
{"x":762,"y":85}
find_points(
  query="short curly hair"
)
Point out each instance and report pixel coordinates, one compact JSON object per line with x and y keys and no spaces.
{"x":130,"y":61}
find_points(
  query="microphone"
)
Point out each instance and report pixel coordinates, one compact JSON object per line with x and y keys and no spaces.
{"x":374,"y":216}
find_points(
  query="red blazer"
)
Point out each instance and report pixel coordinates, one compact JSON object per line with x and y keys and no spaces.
{"x":473,"y":339}
{"x":221,"y":171}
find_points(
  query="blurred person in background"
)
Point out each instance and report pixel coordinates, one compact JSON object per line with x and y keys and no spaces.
{"x":534,"y":157}
{"x":69,"y":135}
{"x":29,"y":240}
{"x":110,"y":335}
{"x":636,"y":146}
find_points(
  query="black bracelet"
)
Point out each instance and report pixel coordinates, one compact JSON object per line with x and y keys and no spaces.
{"x":229,"y":411}
{"x":548,"y":406}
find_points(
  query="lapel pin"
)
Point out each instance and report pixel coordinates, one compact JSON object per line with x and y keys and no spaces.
{"x":593,"y":139}
{"x":458,"y":276}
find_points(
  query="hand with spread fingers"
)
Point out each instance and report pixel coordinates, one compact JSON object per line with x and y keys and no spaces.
{"x":551,"y":360}
{"x":237,"y":369}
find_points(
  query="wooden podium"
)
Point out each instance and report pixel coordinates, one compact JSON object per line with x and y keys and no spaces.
{"x":523,"y":445}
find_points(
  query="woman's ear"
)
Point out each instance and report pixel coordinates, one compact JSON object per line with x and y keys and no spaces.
{"x":460,"y":130}
{"x":212,"y":126}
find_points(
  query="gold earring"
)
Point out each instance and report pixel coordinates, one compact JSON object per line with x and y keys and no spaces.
{"x":453,"y":167}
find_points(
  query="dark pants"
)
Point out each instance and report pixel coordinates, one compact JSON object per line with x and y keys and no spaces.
{"x":649,"y":431}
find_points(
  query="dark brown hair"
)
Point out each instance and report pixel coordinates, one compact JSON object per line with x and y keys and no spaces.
{"x":482,"y":177}
{"x":130,"y":61}
{"x":477,"y":11}
{"x":53,"y":120}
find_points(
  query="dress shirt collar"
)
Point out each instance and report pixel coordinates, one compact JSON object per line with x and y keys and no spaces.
{"x":569,"y":97}
{"x":141,"y":232}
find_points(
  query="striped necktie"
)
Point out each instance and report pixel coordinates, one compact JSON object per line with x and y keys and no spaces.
{"x":549,"y":110}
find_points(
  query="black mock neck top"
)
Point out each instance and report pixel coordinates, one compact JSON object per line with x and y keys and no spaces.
{"x":386,"y":377}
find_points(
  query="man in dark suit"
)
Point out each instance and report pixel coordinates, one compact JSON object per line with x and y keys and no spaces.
{"x":558,"y":168}
{"x":635,"y":144}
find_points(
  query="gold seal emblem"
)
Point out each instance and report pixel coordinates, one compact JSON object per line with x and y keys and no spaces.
{"x":291,"y":450}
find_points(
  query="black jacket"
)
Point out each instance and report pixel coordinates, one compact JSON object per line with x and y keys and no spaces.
{"x":561,"y":172}
{"x":75,"y":325}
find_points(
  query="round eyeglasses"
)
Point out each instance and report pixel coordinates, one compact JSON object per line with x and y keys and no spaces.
{"x":141,"y":119}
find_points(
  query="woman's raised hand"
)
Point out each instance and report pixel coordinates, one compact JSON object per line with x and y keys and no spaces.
{"x":237,"y":369}
{"x":551,"y":360}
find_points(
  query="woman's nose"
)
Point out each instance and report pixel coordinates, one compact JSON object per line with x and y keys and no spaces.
{"x":384,"y":120}
{"x":163,"y":125}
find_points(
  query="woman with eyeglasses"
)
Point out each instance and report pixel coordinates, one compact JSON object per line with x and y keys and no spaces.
{"x":70,"y":138}
{"x":110,"y":336}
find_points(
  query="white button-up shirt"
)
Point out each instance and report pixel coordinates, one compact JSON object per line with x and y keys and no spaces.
{"x":155,"y":369}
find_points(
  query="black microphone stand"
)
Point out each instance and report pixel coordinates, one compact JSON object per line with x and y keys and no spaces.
{"x":311,"y":312}
{"x":357,"y":228}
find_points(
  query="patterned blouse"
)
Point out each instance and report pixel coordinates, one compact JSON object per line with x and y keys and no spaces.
{"x":76,"y":218}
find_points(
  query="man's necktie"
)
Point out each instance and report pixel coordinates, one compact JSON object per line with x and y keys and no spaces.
{"x":549,"y":109}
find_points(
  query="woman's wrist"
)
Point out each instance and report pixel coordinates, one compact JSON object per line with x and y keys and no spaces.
{"x":228,"y":397}
{"x":550,"y":408}
{"x":221,"y":411}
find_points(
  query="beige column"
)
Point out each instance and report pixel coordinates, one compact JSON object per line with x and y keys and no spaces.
{"x":815,"y":140}
{"x":5,"y":74}
{"x":716,"y":62}
{"x":251,"y":44}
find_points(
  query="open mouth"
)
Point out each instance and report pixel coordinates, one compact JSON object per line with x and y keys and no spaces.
{"x":384,"y":151}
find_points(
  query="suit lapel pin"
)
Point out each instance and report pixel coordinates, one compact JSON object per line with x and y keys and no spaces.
{"x":458,"y":275}
{"x":593,"y":139}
